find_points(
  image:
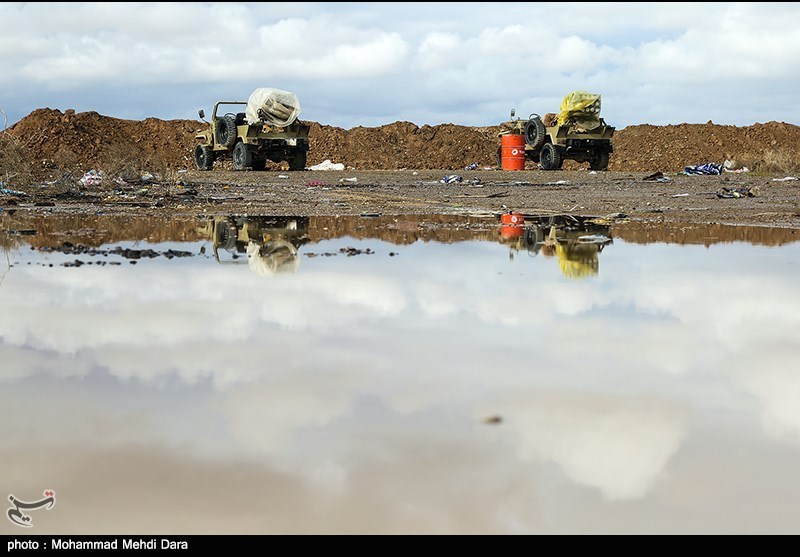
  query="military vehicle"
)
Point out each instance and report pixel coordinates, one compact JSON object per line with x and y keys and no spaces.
{"x":577,"y":133}
{"x":271,"y":244}
{"x":267,"y":130}
{"x":576,"y":241}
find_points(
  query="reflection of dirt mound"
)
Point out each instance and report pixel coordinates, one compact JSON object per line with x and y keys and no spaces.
{"x":89,"y":140}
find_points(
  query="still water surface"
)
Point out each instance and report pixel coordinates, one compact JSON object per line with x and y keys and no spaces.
{"x":399,"y":376}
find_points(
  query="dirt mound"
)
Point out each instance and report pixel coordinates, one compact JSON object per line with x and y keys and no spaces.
{"x":404,"y":145}
{"x":57,"y":142}
{"x":70,"y":140}
{"x":771,"y":147}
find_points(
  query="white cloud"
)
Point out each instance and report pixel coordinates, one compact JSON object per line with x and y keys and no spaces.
{"x":619,"y":446}
{"x":653,"y":62}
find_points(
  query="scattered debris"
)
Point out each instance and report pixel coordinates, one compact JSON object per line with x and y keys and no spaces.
{"x":736,"y":193}
{"x":787,"y":179}
{"x":707,"y":169}
{"x":473,"y":166}
{"x":657,"y":177}
{"x":680,"y":195}
{"x":6,"y":191}
{"x":733,"y":168}
{"x":92,"y":179}
{"x":559,"y":183}
{"x":326,"y":166}
{"x":452,"y":179}
{"x":493,"y":420}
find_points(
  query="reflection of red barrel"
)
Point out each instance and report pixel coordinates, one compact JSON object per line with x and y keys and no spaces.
{"x":511,"y":232}
{"x":513,"y":152}
{"x":513,"y":219}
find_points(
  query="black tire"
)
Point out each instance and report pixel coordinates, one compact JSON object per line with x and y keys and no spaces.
{"x":500,"y":158}
{"x":535,"y":132}
{"x":242,"y":157}
{"x":226,"y":131}
{"x":259,"y":163}
{"x":204,"y":157}
{"x":551,"y":158}
{"x":599,"y":161}
{"x":297,"y":163}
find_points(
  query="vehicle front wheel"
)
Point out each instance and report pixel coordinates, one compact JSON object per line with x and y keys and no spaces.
{"x":242,"y":157}
{"x":599,"y":161}
{"x":204,"y":157}
{"x":298,"y":161}
{"x":551,"y":158}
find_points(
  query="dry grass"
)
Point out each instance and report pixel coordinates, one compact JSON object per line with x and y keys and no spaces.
{"x":15,"y":166}
{"x":772,"y":162}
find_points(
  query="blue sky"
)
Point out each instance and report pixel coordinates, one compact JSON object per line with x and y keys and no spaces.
{"x":373,"y":63}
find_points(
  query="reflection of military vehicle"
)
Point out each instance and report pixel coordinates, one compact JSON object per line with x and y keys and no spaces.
{"x":576,"y":241}
{"x":270,"y":243}
{"x":577,"y":133}
{"x":268,"y":130}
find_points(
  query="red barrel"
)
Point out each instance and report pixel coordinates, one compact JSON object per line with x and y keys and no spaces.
{"x":513,"y":152}
{"x":511,"y":232}
{"x":512,"y":219}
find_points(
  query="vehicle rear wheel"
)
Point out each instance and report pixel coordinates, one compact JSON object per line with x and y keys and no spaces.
{"x":204,"y":157}
{"x":599,"y":161}
{"x":535,"y":132}
{"x":298,"y":161}
{"x":242,"y":157}
{"x":551,"y":158}
{"x":226,"y":131}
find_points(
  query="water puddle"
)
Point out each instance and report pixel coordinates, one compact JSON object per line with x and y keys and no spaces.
{"x":399,"y":374}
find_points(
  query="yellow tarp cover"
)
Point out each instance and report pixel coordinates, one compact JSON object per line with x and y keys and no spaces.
{"x":581,"y":108}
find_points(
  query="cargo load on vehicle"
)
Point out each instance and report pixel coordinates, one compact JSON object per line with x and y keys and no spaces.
{"x":273,"y":107}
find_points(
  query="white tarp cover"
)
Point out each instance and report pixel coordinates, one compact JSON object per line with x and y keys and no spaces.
{"x":273,"y":107}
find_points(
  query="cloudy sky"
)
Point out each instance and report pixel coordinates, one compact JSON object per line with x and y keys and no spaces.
{"x":373,"y":63}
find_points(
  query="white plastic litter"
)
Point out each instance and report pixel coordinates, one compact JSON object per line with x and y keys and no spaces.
{"x":787,"y":179}
{"x":327,"y":165}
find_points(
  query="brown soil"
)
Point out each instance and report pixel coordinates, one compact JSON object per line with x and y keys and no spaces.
{"x":399,"y":170}
{"x":89,"y":140}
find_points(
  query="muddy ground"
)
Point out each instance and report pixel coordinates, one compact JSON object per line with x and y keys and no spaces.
{"x":624,"y":195}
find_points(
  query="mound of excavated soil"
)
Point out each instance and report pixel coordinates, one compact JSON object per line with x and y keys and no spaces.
{"x":56,"y":141}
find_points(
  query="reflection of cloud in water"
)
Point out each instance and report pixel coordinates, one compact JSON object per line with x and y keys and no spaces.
{"x":151,"y":321}
{"x":617,"y":445}
{"x":764,"y":373}
{"x":266,"y":418}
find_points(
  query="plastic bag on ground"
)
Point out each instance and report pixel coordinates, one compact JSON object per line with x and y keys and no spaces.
{"x":327,"y":165}
{"x":273,"y":107}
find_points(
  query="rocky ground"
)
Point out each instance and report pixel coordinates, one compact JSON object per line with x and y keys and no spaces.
{"x":397,"y":170}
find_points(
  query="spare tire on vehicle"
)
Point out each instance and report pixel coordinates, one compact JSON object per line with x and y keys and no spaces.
{"x":535,"y":132}
{"x":226,"y":131}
